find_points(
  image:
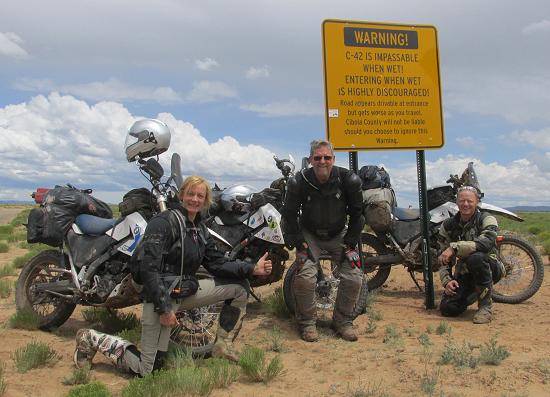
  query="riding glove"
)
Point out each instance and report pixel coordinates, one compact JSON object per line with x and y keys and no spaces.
{"x":353,"y":257}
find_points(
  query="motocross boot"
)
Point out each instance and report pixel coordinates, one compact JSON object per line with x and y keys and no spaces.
{"x":231,"y":321}
{"x":484,"y":313}
{"x":89,"y":342}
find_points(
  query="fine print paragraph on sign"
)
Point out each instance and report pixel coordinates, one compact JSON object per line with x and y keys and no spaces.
{"x":382,"y":86}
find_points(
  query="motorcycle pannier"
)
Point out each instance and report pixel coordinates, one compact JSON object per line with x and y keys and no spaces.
{"x":41,"y":229}
{"x":137,"y":200}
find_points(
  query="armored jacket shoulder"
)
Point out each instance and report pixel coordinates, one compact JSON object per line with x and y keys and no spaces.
{"x":352,"y":182}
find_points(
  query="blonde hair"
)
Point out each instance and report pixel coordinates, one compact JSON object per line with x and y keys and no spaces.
{"x":195,"y":180}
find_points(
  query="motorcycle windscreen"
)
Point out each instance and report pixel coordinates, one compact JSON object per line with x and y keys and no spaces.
{"x":469,"y":177}
{"x":84,"y":249}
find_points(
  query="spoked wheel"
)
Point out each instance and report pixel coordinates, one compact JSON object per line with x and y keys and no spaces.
{"x":376,"y":274}
{"x":50,"y":310}
{"x":524,"y":270}
{"x":325,"y":291}
{"x":197,"y":328}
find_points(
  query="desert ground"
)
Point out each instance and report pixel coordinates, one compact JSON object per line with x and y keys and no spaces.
{"x":331,"y":366}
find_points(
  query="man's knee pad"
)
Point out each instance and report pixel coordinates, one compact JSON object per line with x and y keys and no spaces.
{"x":229,"y":316}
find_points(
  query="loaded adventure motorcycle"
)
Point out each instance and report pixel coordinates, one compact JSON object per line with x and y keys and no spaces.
{"x":401,"y":244}
{"x":245,"y":224}
{"x":90,"y":263}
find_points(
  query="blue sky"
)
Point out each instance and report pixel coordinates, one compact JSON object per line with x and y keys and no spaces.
{"x":241,"y":81}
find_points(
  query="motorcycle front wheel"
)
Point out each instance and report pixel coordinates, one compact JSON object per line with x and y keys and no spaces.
{"x":49,"y":310}
{"x":372,"y":247}
{"x":326,"y":290}
{"x":197,"y":328}
{"x":524,"y":270}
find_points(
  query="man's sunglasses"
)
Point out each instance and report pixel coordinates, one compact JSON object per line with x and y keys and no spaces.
{"x":318,"y":158}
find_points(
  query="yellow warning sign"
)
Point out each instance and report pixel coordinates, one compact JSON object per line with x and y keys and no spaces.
{"x":382,"y":86}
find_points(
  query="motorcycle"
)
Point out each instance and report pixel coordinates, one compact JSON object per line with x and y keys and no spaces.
{"x":245,"y":224}
{"x":403,"y":244}
{"x":90,"y":266}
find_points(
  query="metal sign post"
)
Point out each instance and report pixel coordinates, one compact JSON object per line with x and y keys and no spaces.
{"x":426,"y":257}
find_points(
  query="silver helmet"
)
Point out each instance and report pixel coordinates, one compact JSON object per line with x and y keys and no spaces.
{"x":146,"y":138}
{"x":236,"y":198}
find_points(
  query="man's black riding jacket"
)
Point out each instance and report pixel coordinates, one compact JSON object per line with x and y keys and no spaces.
{"x":325,"y":207}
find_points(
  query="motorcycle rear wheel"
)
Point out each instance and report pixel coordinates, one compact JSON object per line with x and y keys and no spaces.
{"x":325,"y":291}
{"x":524,"y":271}
{"x":50,"y":311}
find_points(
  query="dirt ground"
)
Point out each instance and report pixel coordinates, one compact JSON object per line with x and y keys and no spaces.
{"x":332,"y":367}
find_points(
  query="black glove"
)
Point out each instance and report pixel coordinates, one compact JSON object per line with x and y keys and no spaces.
{"x":353,"y":257}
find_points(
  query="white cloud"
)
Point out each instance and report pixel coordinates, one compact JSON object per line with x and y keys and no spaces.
{"x":254,"y":73}
{"x":60,"y":139}
{"x":210,"y":91}
{"x":293,"y":107}
{"x":206,"y":64}
{"x":536,"y":27}
{"x":112,"y":90}
{"x":518,"y":99}
{"x":539,"y":139}
{"x":520,"y":182}
{"x":469,"y":142}
{"x":10,"y":46}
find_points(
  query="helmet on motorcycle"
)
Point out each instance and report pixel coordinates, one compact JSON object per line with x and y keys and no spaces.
{"x":146,"y":138}
{"x":236,"y":198}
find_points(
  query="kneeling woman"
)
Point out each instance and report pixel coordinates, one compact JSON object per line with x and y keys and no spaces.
{"x":160,"y":259}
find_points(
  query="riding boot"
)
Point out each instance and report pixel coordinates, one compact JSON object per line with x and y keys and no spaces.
{"x":231,"y":321}
{"x":89,"y":342}
{"x":484,"y":312}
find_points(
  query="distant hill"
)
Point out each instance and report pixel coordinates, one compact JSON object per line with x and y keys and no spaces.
{"x":19,"y":202}
{"x":527,"y":208}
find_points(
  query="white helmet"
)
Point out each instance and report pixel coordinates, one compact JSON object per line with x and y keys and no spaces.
{"x":236,"y":198}
{"x":146,"y":138}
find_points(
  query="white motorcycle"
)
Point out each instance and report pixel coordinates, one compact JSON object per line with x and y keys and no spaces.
{"x":403,"y":244}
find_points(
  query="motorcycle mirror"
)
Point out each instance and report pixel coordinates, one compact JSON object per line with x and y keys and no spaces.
{"x":175,"y":167}
{"x":291,"y":159}
{"x":305,"y":163}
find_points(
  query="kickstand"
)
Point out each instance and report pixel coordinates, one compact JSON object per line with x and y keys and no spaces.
{"x":254,"y":295}
{"x":411,"y":273}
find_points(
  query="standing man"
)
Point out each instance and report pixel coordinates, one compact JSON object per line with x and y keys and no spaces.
{"x":469,"y":240}
{"x":320,"y":201}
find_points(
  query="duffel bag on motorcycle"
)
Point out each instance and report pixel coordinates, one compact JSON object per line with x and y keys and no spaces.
{"x":61,"y":205}
{"x":378,"y":204}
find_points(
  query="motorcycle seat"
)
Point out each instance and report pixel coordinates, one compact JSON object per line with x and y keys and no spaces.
{"x":94,"y":225}
{"x":406,"y":214}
